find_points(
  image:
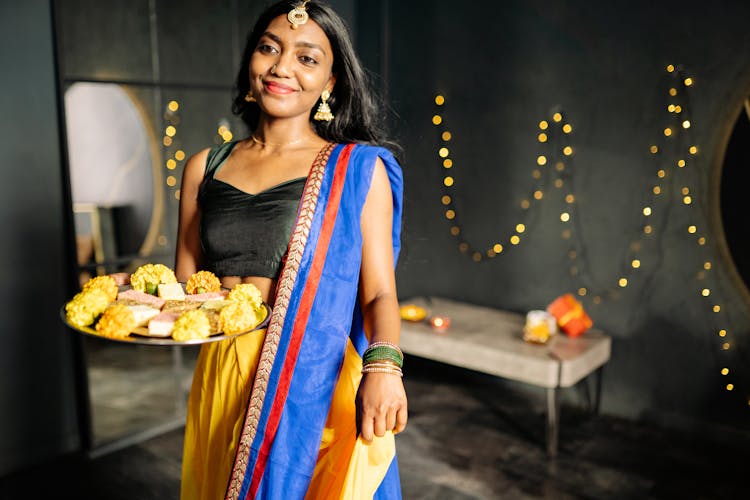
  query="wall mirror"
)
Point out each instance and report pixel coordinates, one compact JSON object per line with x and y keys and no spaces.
{"x":118,"y":202}
{"x":735,"y":182}
{"x":114,"y":171}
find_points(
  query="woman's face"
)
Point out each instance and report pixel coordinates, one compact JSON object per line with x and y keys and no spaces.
{"x":290,"y":68}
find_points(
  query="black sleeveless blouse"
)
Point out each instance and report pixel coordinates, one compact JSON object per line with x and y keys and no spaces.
{"x":244,"y":234}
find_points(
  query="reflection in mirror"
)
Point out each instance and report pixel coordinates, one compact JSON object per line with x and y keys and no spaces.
{"x":112,"y":175}
{"x":135,"y":391}
{"x":735,"y":179}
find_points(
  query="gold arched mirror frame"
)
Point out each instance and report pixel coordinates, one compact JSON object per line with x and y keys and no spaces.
{"x":157,"y":211}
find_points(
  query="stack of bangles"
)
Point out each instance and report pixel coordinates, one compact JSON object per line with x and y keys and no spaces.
{"x":383,"y":357}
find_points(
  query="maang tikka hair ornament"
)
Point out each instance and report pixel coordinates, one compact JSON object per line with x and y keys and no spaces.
{"x":298,"y":15}
{"x":324,"y":110}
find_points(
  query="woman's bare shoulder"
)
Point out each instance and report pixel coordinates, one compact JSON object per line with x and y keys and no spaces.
{"x":195,"y":167}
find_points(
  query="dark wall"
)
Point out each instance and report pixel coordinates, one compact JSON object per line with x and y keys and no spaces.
{"x":37,"y":397}
{"x":503,"y":68}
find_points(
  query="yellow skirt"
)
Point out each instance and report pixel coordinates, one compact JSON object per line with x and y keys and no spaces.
{"x":347,"y":467}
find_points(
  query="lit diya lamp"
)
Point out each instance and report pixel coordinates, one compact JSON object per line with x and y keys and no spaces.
{"x":440,"y":323}
{"x":410,"y":312}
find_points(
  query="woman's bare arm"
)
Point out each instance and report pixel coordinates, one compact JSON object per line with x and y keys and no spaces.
{"x":381,"y":398}
{"x":188,"y":256}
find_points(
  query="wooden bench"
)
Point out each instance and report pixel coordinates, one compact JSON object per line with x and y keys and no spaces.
{"x":491,"y":341}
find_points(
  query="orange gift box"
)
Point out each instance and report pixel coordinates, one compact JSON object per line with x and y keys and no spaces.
{"x":570,"y":315}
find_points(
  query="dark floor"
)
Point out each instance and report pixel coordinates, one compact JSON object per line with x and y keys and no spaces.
{"x":469,"y":437}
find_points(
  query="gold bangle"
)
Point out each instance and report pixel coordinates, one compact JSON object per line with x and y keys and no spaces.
{"x":394,"y":369}
{"x":386,"y":362}
{"x":383,"y":370}
{"x":382,"y":364}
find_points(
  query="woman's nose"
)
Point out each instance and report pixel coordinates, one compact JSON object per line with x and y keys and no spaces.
{"x":281,"y":67}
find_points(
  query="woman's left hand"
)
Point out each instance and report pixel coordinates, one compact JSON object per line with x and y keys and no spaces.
{"x":381,"y":405}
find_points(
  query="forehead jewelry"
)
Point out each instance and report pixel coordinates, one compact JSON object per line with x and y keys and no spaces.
{"x":298,"y":15}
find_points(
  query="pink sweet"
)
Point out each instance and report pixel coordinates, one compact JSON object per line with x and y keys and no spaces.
{"x":203,"y":297}
{"x":141,"y":297}
{"x":162,"y":324}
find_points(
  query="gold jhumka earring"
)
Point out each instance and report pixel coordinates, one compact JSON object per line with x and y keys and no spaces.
{"x":249,"y":97}
{"x":323,"y":114}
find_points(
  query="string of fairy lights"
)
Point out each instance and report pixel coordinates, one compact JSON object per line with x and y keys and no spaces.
{"x":677,"y":137}
{"x":681,"y":126}
{"x":173,"y":153}
{"x":512,"y":236}
{"x":674,"y":153}
{"x":172,"y":147}
{"x":587,"y":286}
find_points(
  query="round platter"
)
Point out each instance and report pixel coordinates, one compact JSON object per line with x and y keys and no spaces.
{"x":140,"y":335}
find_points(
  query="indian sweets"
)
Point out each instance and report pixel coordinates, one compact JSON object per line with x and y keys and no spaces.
{"x":191,"y":325}
{"x":162,"y":324}
{"x":136,"y":297}
{"x":213,"y":319}
{"x":238,"y":317}
{"x":180,"y":306}
{"x":246,"y":292}
{"x":203,"y":282}
{"x":86,"y":306}
{"x":143,"y":313}
{"x":148,"y":277}
{"x":205,"y":297}
{"x":158,"y":306}
{"x":106,"y":284}
{"x":171,"y":291}
{"x":117,"y":321}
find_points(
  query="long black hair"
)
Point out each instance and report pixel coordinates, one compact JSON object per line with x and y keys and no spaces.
{"x":359,"y":113}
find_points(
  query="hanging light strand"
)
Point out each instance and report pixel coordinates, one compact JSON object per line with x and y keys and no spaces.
{"x":448,"y":166}
{"x":707,"y":284}
{"x":172,"y":152}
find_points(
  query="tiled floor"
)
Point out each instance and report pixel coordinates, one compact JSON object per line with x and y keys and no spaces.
{"x":469,"y":437}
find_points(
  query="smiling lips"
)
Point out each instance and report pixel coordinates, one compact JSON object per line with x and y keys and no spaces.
{"x":278,"y":88}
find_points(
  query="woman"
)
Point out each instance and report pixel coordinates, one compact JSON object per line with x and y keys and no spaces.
{"x":308,"y":209}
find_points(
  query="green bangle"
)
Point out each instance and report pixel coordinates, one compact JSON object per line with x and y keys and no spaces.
{"x":390,"y":359}
{"x":382,"y":353}
{"x":388,"y":344}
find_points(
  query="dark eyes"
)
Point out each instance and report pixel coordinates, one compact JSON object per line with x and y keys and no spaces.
{"x":266,"y":49}
{"x":307,"y":60}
